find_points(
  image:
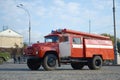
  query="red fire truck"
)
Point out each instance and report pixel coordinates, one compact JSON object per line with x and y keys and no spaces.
{"x":69,"y":46}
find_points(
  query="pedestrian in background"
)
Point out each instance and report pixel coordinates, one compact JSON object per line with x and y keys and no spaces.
{"x":19,"y":60}
{"x":14,"y":51}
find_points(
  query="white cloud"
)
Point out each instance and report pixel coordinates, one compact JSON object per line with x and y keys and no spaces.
{"x":101,"y":4}
{"x":41,"y":11}
{"x":59,"y":3}
{"x":73,"y":8}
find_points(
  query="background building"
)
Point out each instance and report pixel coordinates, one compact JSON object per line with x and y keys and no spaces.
{"x":10,"y":39}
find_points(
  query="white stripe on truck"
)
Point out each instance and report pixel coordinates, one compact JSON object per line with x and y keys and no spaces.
{"x":77,"y":46}
{"x":99,"y":46}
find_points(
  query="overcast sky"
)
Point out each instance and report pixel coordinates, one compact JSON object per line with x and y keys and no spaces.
{"x":47,"y":15}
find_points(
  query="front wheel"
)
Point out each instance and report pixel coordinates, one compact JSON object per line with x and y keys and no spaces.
{"x":95,"y":63}
{"x":50,"y":62}
{"x":33,"y":64}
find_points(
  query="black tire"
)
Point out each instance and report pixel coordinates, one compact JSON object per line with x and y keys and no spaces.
{"x":77,"y":66}
{"x":50,"y":62}
{"x":95,"y":63}
{"x":33,"y":64}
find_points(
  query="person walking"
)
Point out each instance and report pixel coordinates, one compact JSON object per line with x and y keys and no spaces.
{"x":14,"y":51}
{"x":19,"y":60}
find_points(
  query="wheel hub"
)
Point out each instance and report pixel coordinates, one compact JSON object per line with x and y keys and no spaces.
{"x":51,"y":62}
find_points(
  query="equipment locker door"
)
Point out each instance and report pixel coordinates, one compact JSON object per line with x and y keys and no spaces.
{"x":77,"y":47}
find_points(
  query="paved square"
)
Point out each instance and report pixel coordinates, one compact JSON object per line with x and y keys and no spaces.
{"x":10,"y":71}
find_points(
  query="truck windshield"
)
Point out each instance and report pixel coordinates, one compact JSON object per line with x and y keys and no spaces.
{"x":51,"y":39}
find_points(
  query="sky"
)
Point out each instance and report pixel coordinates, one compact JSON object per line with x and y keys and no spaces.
{"x":47,"y":15}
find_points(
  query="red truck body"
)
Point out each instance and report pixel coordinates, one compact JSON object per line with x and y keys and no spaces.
{"x":68,"y":46}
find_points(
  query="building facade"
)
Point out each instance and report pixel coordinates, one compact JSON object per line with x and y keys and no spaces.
{"x":10,"y":39}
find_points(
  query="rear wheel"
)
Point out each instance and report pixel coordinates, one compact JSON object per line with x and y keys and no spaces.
{"x":77,"y":65}
{"x":50,"y":62}
{"x":33,"y":64}
{"x":95,"y":63}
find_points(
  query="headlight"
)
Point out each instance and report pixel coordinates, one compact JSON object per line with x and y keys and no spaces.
{"x":37,"y":52}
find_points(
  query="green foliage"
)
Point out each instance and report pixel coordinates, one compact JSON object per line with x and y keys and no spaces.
{"x":4,"y":56}
{"x":108,"y":35}
{"x":25,"y":45}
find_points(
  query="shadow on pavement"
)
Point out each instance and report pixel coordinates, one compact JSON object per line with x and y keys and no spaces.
{"x":23,"y":67}
{"x":27,"y":69}
{"x":12,"y":69}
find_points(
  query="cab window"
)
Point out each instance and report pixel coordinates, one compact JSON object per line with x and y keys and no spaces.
{"x":51,"y":39}
{"x":65,"y":38}
{"x":76,"y":41}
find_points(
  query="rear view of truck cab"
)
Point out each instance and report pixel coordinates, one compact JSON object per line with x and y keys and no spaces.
{"x":67,"y":46}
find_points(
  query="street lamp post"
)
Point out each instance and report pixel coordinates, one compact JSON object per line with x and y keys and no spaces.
{"x":115,"y":40}
{"x":22,"y":7}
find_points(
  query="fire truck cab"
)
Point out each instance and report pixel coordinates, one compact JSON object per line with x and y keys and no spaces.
{"x":68,"y":46}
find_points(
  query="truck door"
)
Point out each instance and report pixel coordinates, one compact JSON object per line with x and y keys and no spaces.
{"x":77,"y":47}
{"x":65,"y":47}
